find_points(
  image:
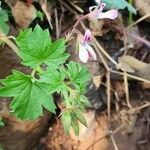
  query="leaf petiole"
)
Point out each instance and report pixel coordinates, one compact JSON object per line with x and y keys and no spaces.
{"x":6,"y":40}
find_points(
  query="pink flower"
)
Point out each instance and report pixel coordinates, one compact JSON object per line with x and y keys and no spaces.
{"x":86,"y":52}
{"x":97,"y":12}
{"x":87,"y":36}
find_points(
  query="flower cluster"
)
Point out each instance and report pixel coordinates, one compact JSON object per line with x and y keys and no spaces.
{"x":86,"y":52}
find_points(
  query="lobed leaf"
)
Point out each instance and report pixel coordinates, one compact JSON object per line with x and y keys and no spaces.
{"x":36,"y":48}
{"x":29,"y":97}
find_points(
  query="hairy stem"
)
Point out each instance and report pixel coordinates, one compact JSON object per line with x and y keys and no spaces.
{"x":10,"y":44}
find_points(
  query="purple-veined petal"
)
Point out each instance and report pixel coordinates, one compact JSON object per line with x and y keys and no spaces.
{"x":83,"y":53}
{"x":91,"y":52}
{"x":111,"y":14}
{"x":101,"y":6}
{"x":87,"y":36}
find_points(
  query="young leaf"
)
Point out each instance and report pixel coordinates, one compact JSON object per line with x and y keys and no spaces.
{"x":29,"y":97}
{"x":77,"y":74}
{"x":36,"y":48}
{"x":80,"y":117}
{"x":119,"y":4}
{"x":66,"y":120}
{"x":75,"y":125}
{"x":55,"y":78}
{"x":85,"y":101}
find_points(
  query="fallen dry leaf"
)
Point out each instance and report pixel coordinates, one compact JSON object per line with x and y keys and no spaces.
{"x":145,"y":72}
{"x":24,"y":14}
{"x":131,"y":64}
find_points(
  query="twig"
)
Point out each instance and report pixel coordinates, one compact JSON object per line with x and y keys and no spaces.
{"x":6,"y":40}
{"x":44,"y":8}
{"x":75,"y":6}
{"x":134,"y":110}
{"x":97,"y":45}
{"x":67,"y":6}
{"x":139,"y":20}
{"x":108,"y":72}
{"x":96,"y":141}
{"x":57,"y":24}
{"x":108,"y":134}
{"x":126,"y":89}
{"x":131,"y":76}
{"x":105,"y":53}
{"x":61,"y":17}
{"x":108,"y":83}
{"x":113,"y":142}
{"x":108,"y":96}
{"x":117,"y":129}
{"x":146,"y":42}
{"x":125,"y":41}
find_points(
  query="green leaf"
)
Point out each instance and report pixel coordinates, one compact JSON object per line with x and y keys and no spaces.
{"x":40,"y":15}
{"x":36,"y":48}
{"x":80,"y":117}
{"x":85,"y":101}
{"x":4,"y":28}
{"x":3,"y":14}
{"x":119,"y":4}
{"x":55,"y":78}
{"x":75,"y":125}
{"x":29,"y":97}
{"x":78,"y":74}
{"x":1,"y":147}
{"x":2,"y":124}
{"x":66,"y":120}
